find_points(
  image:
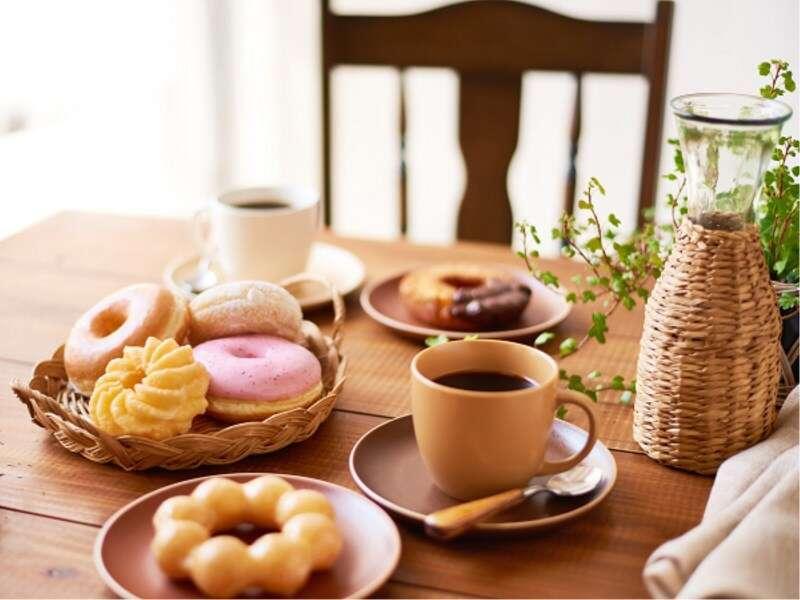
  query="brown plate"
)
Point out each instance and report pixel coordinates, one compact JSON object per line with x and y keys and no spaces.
{"x":381,"y":301}
{"x":385,"y":463}
{"x":369,"y":556}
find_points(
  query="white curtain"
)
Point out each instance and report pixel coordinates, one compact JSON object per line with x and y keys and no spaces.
{"x":151,"y":107}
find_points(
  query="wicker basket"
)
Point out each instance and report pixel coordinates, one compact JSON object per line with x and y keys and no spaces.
{"x":54,"y":405}
{"x":707,"y":380}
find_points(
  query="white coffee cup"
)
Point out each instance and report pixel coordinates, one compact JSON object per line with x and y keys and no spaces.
{"x":249,"y":239}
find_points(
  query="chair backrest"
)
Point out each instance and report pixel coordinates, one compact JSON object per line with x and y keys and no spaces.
{"x":490,"y":44}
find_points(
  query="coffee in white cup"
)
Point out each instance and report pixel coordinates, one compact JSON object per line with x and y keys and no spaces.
{"x":260,"y":232}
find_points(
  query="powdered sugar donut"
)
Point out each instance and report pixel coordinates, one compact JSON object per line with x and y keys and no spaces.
{"x":245,"y":307}
{"x":255,"y":376}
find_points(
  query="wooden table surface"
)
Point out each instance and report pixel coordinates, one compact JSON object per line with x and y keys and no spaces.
{"x":52,"y":502}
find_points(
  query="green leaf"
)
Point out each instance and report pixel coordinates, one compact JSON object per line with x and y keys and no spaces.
{"x":561,"y":412}
{"x":598,"y":185}
{"x":548,"y":278}
{"x":436,"y":340}
{"x":598,"y":328}
{"x":617,"y":383}
{"x":612,"y":218}
{"x":584,"y":204}
{"x":788,"y":82}
{"x":567,"y":347}
{"x":594,"y":244}
{"x":571,"y":297}
{"x":543,"y":338}
{"x":575,"y":383}
{"x":763,"y":68}
{"x":788,"y":300}
{"x":628,"y":302}
{"x":562,"y":374}
{"x":594,"y":374}
{"x":588,"y":296}
{"x":556,"y":233}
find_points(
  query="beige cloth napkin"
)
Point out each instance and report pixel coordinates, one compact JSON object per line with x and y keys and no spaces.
{"x":747,"y":543}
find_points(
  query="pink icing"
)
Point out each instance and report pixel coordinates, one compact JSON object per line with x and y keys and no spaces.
{"x":257,"y":367}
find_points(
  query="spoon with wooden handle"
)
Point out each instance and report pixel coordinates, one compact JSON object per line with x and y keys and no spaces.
{"x":451,"y":522}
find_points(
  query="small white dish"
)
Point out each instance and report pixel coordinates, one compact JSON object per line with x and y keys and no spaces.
{"x":339,"y":266}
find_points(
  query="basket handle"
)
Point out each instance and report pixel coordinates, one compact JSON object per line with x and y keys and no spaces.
{"x":336,"y":298}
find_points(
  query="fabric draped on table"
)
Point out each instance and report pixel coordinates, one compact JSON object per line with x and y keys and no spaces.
{"x":747,"y":543}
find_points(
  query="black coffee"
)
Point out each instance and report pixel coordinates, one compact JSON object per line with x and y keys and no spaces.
{"x":485,"y":381}
{"x":263,"y":204}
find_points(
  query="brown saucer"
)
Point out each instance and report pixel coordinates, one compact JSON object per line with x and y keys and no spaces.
{"x":381,"y":300}
{"x":370,"y":554}
{"x":385,"y":463}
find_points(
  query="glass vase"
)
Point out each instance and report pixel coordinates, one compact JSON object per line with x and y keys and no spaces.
{"x":727,"y":141}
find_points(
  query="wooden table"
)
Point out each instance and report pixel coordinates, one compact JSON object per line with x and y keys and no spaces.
{"x":52,"y":502}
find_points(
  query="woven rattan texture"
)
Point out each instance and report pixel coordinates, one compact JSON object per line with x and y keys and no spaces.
{"x":708,"y":368}
{"x":54,"y":405}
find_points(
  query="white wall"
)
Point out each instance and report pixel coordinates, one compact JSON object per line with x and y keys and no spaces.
{"x":121,"y":114}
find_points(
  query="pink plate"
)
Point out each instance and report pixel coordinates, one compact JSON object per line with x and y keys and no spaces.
{"x":381,"y":301}
{"x":369,"y":556}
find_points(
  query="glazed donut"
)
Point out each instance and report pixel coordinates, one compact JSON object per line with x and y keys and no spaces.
{"x":255,"y":376}
{"x":464,"y":297}
{"x":223,"y":566}
{"x":242,"y":307}
{"x":125,"y":318}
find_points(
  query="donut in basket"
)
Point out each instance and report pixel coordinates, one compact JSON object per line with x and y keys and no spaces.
{"x":154,"y":367}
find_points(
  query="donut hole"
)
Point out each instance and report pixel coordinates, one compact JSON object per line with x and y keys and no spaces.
{"x":108,"y":321}
{"x":460,"y":281}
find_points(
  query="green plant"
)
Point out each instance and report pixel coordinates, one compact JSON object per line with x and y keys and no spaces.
{"x":621,"y":271}
{"x":777,"y":213}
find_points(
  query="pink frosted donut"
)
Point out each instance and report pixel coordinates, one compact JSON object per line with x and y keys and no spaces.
{"x":255,"y":376}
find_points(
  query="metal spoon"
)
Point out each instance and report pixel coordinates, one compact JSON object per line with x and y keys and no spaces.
{"x":453,"y":521}
{"x":203,"y":278}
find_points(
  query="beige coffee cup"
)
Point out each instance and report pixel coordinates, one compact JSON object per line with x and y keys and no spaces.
{"x":252,"y":242}
{"x":477,"y":443}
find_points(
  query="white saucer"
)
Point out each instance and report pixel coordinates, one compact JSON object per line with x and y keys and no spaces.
{"x":339,"y":266}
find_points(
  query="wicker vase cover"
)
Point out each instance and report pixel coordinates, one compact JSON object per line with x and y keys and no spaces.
{"x":57,"y":407}
{"x":708,"y":370}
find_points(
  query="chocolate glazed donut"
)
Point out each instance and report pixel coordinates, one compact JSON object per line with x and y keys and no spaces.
{"x":494,"y":304}
{"x":464,"y":297}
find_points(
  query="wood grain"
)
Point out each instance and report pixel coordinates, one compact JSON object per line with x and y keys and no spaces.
{"x":41,"y":569}
{"x":53,"y":501}
{"x":605,"y":551}
{"x":44,"y":558}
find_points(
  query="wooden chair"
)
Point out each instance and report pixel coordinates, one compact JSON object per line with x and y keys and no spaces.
{"x":491,"y":43}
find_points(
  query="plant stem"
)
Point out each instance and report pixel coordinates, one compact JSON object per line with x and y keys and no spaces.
{"x":599,"y":231}
{"x":677,"y":200}
{"x":774,"y":85}
{"x":775,"y":243}
{"x":607,"y":314}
